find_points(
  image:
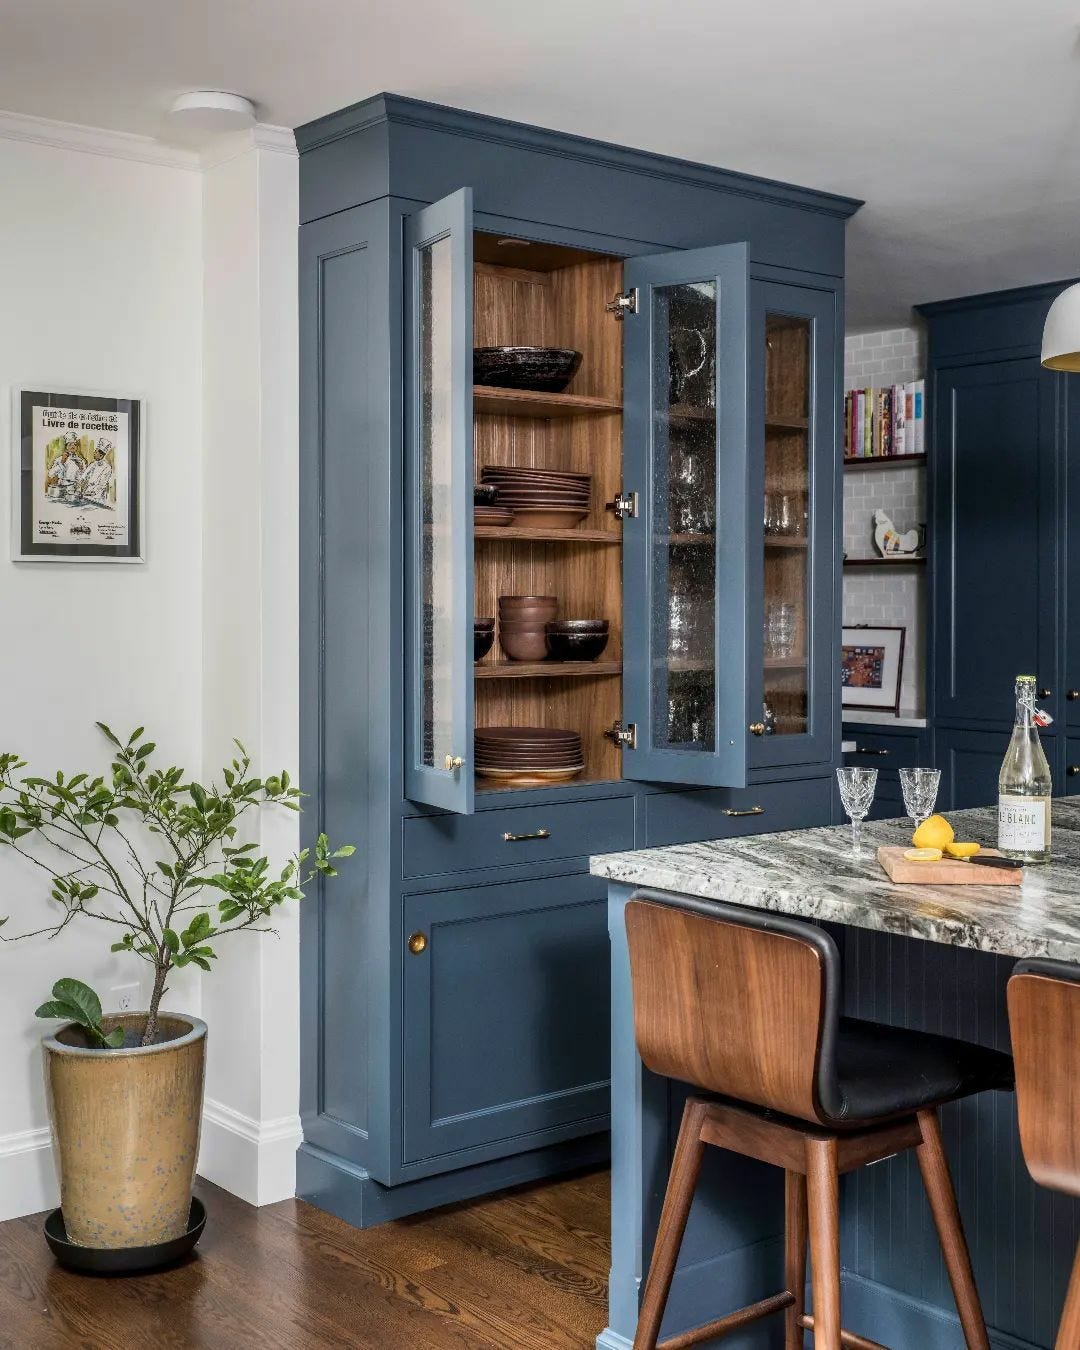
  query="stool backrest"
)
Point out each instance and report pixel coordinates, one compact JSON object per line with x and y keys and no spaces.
{"x":733,"y":1001}
{"x":1044,"y":1022}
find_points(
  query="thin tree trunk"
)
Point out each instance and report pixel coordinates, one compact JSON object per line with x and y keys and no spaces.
{"x":150,"y":1030}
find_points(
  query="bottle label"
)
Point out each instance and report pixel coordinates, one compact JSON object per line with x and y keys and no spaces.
{"x":1022,"y":824}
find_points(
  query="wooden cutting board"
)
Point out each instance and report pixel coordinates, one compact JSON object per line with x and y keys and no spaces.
{"x":948,"y":872}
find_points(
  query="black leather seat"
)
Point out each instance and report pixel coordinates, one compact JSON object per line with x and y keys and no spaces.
{"x":884,"y":1071}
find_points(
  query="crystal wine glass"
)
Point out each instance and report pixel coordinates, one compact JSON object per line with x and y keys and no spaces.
{"x":920,"y":788}
{"x":857,"y":793}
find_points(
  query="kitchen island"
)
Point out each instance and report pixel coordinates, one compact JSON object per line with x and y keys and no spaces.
{"x":936,"y":958}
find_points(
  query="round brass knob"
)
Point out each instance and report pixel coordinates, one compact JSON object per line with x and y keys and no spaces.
{"x":1073,"y":770}
{"x":1072,"y":695}
{"x":1045,"y":693}
{"x":417,"y":943}
{"x":757,"y":728}
{"x":453,"y":762}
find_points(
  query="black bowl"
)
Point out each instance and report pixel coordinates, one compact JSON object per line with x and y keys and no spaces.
{"x":576,"y":646}
{"x":122,"y":1260}
{"x":484,"y":494}
{"x":483,"y":641}
{"x":547,"y":369}
{"x":579,"y":625}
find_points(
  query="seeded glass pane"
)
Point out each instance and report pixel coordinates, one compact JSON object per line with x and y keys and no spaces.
{"x":437,"y":569}
{"x":786,"y":518}
{"x":684,"y":516}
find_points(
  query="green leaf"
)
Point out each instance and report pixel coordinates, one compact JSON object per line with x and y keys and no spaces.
{"x":58,"y":1008}
{"x":106,"y":732}
{"x":144,"y":750}
{"x":82,"y":997}
{"x":135,"y":735}
{"x":115,"y":1038}
{"x":345,"y":851}
{"x":171,"y":940}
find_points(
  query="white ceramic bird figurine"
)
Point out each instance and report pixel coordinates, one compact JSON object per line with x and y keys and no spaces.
{"x":887,"y":539}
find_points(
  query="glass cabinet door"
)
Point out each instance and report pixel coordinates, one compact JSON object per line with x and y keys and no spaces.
{"x":438,"y":504}
{"x":793,"y":419}
{"x":686,"y":553}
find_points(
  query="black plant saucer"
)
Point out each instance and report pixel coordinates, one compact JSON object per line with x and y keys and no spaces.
{"x":122,"y":1260}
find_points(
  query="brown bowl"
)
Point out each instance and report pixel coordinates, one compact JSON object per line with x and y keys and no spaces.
{"x":516,"y":601}
{"x":524,"y":646}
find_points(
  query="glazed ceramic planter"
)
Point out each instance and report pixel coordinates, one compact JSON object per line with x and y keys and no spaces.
{"x":125,"y":1127}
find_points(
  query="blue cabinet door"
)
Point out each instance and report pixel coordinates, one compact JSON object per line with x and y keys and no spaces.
{"x":1070,"y":676}
{"x":994,"y":479}
{"x":438,"y":504}
{"x":686,"y":555}
{"x":970,"y":762}
{"x":506,"y":1018}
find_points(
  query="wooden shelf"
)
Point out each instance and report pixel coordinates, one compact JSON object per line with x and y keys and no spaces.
{"x":530,"y":403}
{"x":777,"y":422}
{"x":786,"y":541}
{"x":529,"y":670}
{"x":552,"y":536}
{"x":884,"y":462}
{"x":886,"y":562}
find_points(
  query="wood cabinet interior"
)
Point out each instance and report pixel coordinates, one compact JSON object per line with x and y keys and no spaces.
{"x":544,"y":295}
{"x":787,"y":503}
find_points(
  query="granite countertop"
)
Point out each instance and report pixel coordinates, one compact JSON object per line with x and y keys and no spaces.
{"x":812,"y":874}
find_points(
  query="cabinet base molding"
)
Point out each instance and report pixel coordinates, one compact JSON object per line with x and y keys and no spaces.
{"x":343,"y":1188}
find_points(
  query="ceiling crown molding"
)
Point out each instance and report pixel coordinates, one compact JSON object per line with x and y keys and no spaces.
{"x":94,"y":141}
{"x":262,"y":136}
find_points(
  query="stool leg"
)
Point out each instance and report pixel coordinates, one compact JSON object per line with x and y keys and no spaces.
{"x":1069,"y":1332}
{"x":794,"y":1257}
{"x":934,"y":1167}
{"x":823,"y":1194}
{"x":685,"y":1169}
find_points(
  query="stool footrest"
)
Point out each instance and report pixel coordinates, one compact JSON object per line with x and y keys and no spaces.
{"x":732,"y":1322}
{"x":847,"y":1338}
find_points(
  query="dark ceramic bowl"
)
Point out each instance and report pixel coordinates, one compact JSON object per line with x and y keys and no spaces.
{"x":484,"y":494}
{"x":547,"y":369}
{"x":483,"y":641}
{"x":575,"y":646}
{"x":578,"y":626}
{"x":483,"y":623}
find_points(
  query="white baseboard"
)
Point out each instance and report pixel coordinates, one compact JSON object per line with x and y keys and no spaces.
{"x":27,"y":1177}
{"x":253,"y":1159}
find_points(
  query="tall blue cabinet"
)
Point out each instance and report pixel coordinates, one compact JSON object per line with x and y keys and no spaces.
{"x":454,"y":978}
{"x":1004,"y":483}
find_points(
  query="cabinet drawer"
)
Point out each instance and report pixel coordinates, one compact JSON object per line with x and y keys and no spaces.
{"x":719,"y":813}
{"x":876,"y":751}
{"x":448,"y":843}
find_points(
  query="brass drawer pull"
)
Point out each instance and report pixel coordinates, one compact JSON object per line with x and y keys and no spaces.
{"x":1073,"y":770}
{"x":752,"y":811}
{"x":865,"y":750}
{"x":520,"y":838}
{"x":417,"y":943}
{"x":1072,"y":695}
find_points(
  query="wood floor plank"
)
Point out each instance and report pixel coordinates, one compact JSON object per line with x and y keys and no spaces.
{"x":524,"y":1270}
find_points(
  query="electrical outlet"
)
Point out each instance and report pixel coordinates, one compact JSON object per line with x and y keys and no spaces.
{"x":125,"y":997}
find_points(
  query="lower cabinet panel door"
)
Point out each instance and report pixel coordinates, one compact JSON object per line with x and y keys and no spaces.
{"x":506,"y":1016}
{"x":1071,"y":782}
{"x":970,"y":762}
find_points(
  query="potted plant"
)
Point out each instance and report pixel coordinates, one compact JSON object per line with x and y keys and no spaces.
{"x":155,"y":856}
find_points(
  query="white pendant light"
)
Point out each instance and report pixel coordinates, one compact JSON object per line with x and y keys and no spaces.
{"x":1061,"y":332}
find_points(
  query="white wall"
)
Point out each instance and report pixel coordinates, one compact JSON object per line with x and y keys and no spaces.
{"x":102,"y":289}
{"x":896,"y":599}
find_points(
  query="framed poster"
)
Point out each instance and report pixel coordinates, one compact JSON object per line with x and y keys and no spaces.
{"x":78,"y":478}
{"x":871,"y":663}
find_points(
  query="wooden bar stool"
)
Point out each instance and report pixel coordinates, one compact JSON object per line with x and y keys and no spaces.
{"x":745,"y":1005}
{"x":1044,"y":1021}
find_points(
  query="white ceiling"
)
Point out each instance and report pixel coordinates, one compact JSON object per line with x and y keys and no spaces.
{"x":958,"y":121}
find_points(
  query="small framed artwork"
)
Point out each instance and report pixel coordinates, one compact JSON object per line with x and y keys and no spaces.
{"x":871,"y":664}
{"x":77,"y":491}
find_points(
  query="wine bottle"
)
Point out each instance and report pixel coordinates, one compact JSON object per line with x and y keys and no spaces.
{"x":1024,"y":786}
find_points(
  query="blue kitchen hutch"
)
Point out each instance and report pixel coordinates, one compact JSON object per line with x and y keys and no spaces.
{"x":455,"y":979}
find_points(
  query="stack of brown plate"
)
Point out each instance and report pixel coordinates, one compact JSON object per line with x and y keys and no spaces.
{"x":541,"y":498}
{"x":528,"y":756}
{"x":492,"y":515}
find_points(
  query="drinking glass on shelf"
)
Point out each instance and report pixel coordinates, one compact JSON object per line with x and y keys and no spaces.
{"x":920,"y":789}
{"x":780,"y":629}
{"x":857,"y":794}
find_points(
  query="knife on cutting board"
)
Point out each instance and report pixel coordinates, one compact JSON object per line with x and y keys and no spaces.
{"x":981,"y":860}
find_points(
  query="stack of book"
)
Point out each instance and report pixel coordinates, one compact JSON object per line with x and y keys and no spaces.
{"x":884,"y":423}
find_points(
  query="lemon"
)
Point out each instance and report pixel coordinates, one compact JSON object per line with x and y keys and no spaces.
{"x":935,"y":832}
{"x":957,"y":850}
{"x":923,"y":855}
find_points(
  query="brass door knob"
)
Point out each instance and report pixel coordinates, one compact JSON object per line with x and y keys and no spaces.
{"x":417,"y":943}
{"x":1073,"y":770}
{"x":757,"y":728}
{"x":1045,"y":693}
{"x":1072,"y":695}
{"x":453,"y":762}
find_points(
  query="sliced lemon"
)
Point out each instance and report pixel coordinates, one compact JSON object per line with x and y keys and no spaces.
{"x":959,"y":850}
{"x":923,"y":855}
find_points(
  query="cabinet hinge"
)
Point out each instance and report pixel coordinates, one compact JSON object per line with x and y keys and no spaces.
{"x":625,"y":737}
{"x":624,"y":505}
{"x":623,"y":304}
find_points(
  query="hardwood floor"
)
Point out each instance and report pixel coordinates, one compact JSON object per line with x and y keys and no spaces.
{"x":524,"y":1270}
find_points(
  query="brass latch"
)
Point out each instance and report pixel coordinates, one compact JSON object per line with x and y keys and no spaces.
{"x":623,"y":304}
{"x":625,"y":737}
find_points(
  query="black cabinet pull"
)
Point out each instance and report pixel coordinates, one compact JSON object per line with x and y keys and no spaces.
{"x":864,"y":750}
{"x":520,"y":838}
{"x":752,"y":811}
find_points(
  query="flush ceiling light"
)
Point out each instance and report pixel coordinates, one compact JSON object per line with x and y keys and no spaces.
{"x":212,"y":110}
{"x":1061,"y":332}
